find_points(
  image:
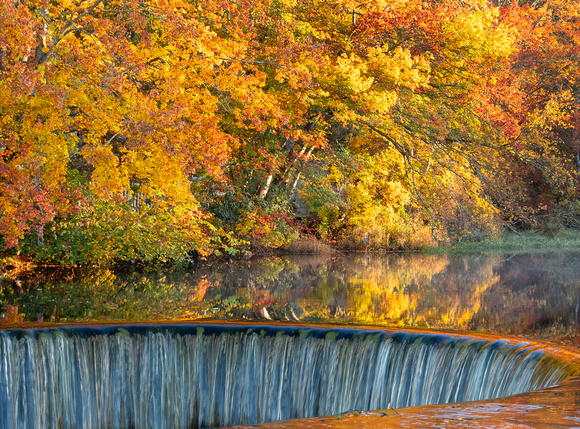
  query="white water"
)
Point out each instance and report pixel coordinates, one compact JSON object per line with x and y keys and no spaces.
{"x":188,"y":376}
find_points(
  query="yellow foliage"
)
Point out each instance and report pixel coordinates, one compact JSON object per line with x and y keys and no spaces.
{"x":378,"y":196}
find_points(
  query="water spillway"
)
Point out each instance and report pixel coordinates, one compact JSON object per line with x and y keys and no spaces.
{"x":183,"y":376}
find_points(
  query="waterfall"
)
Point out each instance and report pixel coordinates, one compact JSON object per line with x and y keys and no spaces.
{"x":184,"y":376}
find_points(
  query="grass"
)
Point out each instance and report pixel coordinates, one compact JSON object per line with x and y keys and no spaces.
{"x":307,"y":245}
{"x":564,"y":240}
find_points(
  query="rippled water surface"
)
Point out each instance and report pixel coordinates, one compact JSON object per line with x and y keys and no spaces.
{"x":531,"y":295}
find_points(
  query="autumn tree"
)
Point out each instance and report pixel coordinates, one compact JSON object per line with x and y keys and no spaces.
{"x":406,"y":72}
{"x":144,"y":130}
{"x":542,"y":87}
{"x":109,"y":109}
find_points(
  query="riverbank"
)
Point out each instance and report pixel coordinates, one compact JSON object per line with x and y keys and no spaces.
{"x":521,"y":242}
{"x":532,"y":241}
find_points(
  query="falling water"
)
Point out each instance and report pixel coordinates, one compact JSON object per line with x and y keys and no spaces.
{"x":184,"y":376}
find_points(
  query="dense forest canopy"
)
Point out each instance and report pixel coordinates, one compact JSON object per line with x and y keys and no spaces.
{"x":158,"y":129}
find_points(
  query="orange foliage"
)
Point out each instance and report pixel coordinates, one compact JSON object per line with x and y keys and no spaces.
{"x":115,"y":109}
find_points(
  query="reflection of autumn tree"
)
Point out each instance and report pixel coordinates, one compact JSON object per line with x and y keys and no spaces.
{"x":103,"y":294}
{"x":534,"y":294}
{"x":520,"y":294}
{"x":465,"y":281}
{"x":409,"y":290}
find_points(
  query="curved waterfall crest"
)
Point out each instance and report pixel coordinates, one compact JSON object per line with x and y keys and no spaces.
{"x":183,"y":376}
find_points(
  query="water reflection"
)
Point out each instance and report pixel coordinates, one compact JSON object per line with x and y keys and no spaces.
{"x":532,"y":295}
